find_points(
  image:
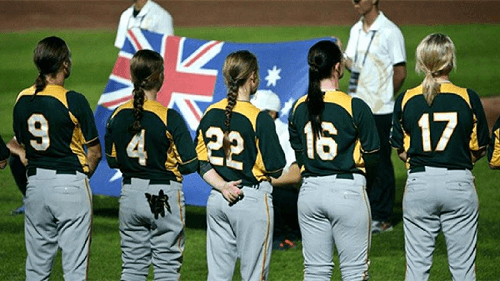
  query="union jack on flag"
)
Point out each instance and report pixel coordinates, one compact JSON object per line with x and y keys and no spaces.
{"x":193,"y":81}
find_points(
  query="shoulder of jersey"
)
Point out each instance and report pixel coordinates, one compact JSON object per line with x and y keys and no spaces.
{"x":55,"y":91}
{"x":331,"y":96}
{"x":26,"y":92}
{"x":447,"y":88}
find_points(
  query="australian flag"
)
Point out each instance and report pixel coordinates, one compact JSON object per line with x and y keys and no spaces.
{"x":193,"y":81}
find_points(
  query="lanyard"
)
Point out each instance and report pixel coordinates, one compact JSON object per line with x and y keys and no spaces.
{"x":367,"y":50}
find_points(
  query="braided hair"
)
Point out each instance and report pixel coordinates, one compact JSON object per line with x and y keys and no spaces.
{"x":435,"y":57}
{"x":50,"y":56}
{"x":237,"y":69}
{"x":322,"y":58}
{"x":146,"y":70}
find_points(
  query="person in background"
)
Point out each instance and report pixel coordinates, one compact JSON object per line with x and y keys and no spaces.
{"x":144,"y":14}
{"x":439,"y":131}
{"x":376,"y":56}
{"x":286,"y":225}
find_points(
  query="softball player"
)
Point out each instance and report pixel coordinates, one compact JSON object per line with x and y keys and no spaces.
{"x":238,"y":144}
{"x":4,"y":154}
{"x":334,"y":138}
{"x":54,"y":125}
{"x":494,"y":148}
{"x":439,"y":130}
{"x":153,"y":148}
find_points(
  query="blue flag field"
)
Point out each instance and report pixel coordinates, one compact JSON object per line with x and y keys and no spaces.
{"x":193,"y":81}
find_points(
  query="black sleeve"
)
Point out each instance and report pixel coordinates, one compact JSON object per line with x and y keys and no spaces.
{"x":188,"y":162}
{"x":109,"y":145}
{"x":4,"y":151}
{"x":269,"y":145}
{"x":480,"y":137}
{"x":396,"y":136}
{"x":79,"y":106}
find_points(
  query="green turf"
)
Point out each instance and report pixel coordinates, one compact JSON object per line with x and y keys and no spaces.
{"x":93,"y":59}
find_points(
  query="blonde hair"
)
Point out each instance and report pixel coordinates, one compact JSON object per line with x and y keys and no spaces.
{"x":435,"y":57}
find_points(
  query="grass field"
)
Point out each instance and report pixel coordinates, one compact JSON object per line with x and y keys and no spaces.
{"x":93,"y":59}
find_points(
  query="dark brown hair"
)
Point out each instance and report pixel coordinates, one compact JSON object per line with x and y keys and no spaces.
{"x":49,"y":56}
{"x":322,"y":58}
{"x":146,"y":70}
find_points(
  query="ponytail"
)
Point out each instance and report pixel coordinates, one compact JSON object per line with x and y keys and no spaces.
{"x":40,"y":83}
{"x":237,"y":69}
{"x":431,"y":88}
{"x":146,"y":71}
{"x":138,"y":110}
{"x":322,"y":58}
{"x":435,"y":56}
{"x":50,"y":56}
{"x":315,"y":102}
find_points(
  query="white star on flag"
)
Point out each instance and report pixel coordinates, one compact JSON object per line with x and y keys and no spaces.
{"x":273,"y":75}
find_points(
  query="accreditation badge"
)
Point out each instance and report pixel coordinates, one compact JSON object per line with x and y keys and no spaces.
{"x":353,"y":81}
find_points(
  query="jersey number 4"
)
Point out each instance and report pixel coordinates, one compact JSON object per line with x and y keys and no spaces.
{"x":326,"y":147}
{"x":424,"y":123}
{"x":216,"y":136}
{"x":135,"y":148}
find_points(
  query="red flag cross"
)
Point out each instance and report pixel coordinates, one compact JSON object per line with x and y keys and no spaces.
{"x":185,"y":80}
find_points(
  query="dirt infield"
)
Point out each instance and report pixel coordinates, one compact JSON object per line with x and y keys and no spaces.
{"x":20,"y":15}
{"x":29,"y":15}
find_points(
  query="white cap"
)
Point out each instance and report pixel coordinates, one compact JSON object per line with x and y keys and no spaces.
{"x":266,"y":100}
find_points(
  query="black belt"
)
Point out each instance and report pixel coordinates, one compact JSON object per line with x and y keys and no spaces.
{"x":420,"y":169}
{"x":32,"y":172}
{"x":346,"y":176}
{"x":151,"y":181}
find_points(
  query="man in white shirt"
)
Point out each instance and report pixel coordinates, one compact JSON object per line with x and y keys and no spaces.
{"x":147,"y":15}
{"x":376,"y":52}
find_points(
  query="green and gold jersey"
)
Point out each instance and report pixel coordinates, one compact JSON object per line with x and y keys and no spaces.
{"x":442,"y":134}
{"x":255,"y":151}
{"x":4,"y":151}
{"x":162,"y":150}
{"x":54,"y":126}
{"x":349,"y":134}
{"x":494,"y":148}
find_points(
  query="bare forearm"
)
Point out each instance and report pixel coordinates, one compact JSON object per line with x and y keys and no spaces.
{"x":403,"y":155}
{"x":94,"y":156}
{"x":399,"y":77}
{"x":214,"y":179}
{"x":290,"y":177}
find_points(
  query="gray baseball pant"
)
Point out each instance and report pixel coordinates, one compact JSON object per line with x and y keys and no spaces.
{"x":58,"y":215}
{"x":335,"y":212}
{"x":146,"y":240}
{"x":243,"y":230}
{"x":440,"y":199}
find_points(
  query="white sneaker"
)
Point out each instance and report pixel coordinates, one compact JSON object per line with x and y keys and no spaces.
{"x":381,"y":226}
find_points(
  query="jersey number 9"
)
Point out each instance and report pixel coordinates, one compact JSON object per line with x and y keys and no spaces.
{"x":39,"y":128}
{"x":216,"y":136}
